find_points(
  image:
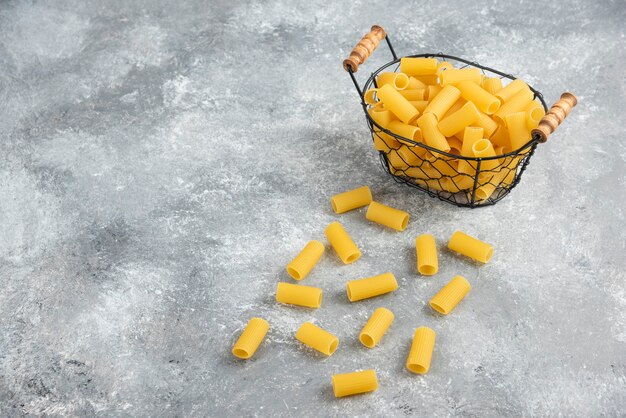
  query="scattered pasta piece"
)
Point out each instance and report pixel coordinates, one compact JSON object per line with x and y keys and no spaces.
{"x":388,"y":216}
{"x":470,"y":246}
{"x":421,"y":350}
{"x":376,"y":327}
{"x":317,"y":338}
{"x":354,"y":383}
{"x":450,"y":295}
{"x":353,"y":199}
{"x":371,"y":286}
{"x":251,"y":338}
{"x":426,"y":251}
{"x":304,"y":262}
{"x":345,"y":248}
{"x":294,"y":294}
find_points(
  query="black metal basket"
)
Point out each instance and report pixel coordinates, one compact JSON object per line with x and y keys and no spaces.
{"x":459,"y":180}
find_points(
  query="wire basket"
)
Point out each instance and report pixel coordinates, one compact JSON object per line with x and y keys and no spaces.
{"x":459,"y":180}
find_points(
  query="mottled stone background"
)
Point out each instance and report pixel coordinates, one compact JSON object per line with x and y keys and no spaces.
{"x":161,"y":162}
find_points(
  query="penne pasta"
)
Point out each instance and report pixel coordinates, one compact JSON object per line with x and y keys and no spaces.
{"x":418,"y":66}
{"x":505,"y":94}
{"x":519,"y":135}
{"x":398,"y":81}
{"x":304,"y":262}
{"x":371,"y":287}
{"x":455,"y":76}
{"x":251,"y":338}
{"x":294,"y":294}
{"x":470,"y":136}
{"x":444,"y":100}
{"x":421,"y":352}
{"x":370,"y":97}
{"x":485,"y":101}
{"x":431,"y":134}
{"x":352,"y":199}
{"x":492,"y":85}
{"x":470,"y":247}
{"x":534,"y":112}
{"x":397,"y":104}
{"x":415,"y":83}
{"x":517,"y":103}
{"x":376,"y":327}
{"x":483,"y":148}
{"x":450,"y":295}
{"x":354,"y":383}
{"x":460,"y":119}
{"x":341,"y":242}
{"x":406,"y":131}
{"x":413,"y":95}
{"x":387,"y":216}
{"x":317,"y":338}
{"x":426,"y":251}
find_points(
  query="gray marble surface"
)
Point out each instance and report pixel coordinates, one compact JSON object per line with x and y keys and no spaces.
{"x":161,"y":162}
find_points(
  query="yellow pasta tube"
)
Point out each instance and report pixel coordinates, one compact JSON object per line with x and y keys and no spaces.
{"x":398,"y":81}
{"x":431,"y":134}
{"x":418,"y":66}
{"x":484,"y":149}
{"x":457,"y":183}
{"x":352,"y":199}
{"x":421,"y":352}
{"x":471,"y":135}
{"x":455,"y":145}
{"x":505,"y":94}
{"x":422,"y":172}
{"x":501,"y":137}
{"x":426,"y":251}
{"x":519,"y":135}
{"x":388,"y":216}
{"x":370,"y":97}
{"x":429,"y":80}
{"x":376,"y":327}
{"x":492,"y":85}
{"x":396,"y":160}
{"x":457,"y":121}
{"x":450,"y":295}
{"x":371,"y":287}
{"x":490,"y":183}
{"x":470,"y":247}
{"x":354,"y":383}
{"x":317,"y":338}
{"x":456,"y":106}
{"x":420,"y":105}
{"x":406,"y":131}
{"x":412,"y":155}
{"x":345,"y":248}
{"x":534,"y":113}
{"x":444,"y":65}
{"x":516,"y":103}
{"x":412,"y":95}
{"x":304,"y":262}
{"x":414,"y":83}
{"x":294,"y":294}
{"x":250,"y":338}
{"x":398,"y":105}
{"x":488,"y":124}
{"x":446,"y":167}
{"x":455,"y":76}
{"x":444,"y":100}
{"x":485,"y":101}
{"x":431,"y":92}
{"x":381,"y":116}
{"x":380,"y":144}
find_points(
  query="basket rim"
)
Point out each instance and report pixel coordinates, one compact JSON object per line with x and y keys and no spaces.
{"x":514,"y":153}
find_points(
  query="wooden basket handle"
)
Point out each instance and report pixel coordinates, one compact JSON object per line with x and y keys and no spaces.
{"x":364,"y":48}
{"x":555,"y":116}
